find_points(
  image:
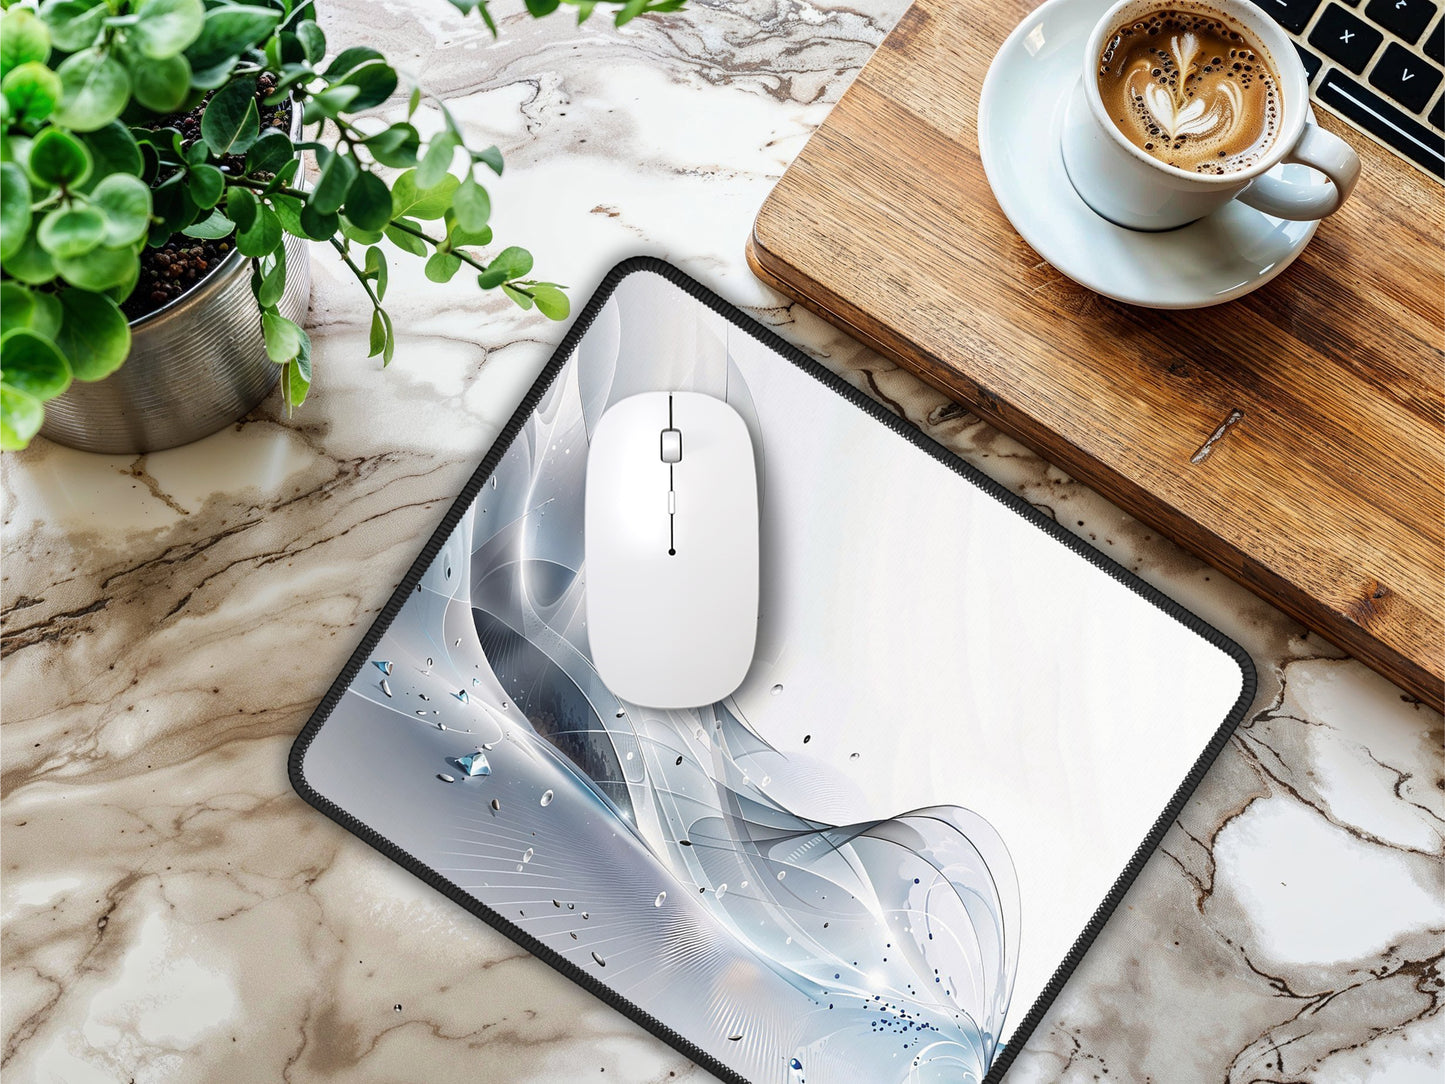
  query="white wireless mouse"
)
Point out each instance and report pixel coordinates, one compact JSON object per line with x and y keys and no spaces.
{"x":670,"y":535}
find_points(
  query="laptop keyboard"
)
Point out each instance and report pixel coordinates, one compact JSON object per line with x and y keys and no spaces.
{"x":1378,"y":64}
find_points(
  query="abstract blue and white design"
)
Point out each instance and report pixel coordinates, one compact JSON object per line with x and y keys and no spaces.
{"x":799,"y":879}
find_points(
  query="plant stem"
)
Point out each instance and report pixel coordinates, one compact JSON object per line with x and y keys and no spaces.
{"x":358,"y":272}
{"x":458,"y":253}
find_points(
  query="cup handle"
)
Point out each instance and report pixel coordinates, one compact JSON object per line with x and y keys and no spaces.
{"x":1327,"y":153}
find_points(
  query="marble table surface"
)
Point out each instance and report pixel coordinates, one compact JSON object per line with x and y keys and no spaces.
{"x":174,"y":912}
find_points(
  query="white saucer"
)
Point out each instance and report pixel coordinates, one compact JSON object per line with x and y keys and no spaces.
{"x":1222,"y":256}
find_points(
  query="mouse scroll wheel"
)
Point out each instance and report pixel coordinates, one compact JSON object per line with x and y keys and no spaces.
{"x":671,"y":445}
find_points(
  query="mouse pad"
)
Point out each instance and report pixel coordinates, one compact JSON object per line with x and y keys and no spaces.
{"x":962,"y":733}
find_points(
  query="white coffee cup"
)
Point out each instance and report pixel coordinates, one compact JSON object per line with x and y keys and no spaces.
{"x":1128,"y":186}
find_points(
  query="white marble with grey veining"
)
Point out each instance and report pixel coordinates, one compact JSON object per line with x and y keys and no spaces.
{"x":173,"y":912}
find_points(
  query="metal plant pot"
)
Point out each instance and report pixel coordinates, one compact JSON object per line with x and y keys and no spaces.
{"x":195,"y":366}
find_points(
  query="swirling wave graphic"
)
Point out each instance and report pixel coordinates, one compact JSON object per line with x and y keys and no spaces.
{"x":899,"y":936}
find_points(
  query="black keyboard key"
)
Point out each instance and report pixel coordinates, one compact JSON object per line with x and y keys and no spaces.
{"x":1437,"y":115}
{"x":1435,"y":43}
{"x":1380,"y":118}
{"x":1405,"y":77}
{"x":1293,"y":15}
{"x":1346,"y":38}
{"x":1312,"y":63}
{"x":1407,"y":18}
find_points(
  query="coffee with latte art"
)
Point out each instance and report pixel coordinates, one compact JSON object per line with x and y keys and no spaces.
{"x":1190,"y":89}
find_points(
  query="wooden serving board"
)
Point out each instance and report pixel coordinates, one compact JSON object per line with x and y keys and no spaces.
{"x":1318,"y":397}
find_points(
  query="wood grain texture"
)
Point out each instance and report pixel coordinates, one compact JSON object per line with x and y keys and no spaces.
{"x":1325,"y":492}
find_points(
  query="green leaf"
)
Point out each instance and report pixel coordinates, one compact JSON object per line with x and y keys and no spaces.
{"x":212,"y":228}
{"x":31,"y":363}
{"x":375,"y":83}
{"x":407,"y":242}
{"x":395,"y":146}
{"x":472,"y":206}
{"x":283,"y":175}
{"x":388,"y":347}
{"x":94,"y":334}
{"x":551,"y":301}
{"x":584,"y":10}
{"x":491,"y":158}
{"x":165,"y":27}
{"x":74,"y":24}
{"x":296,"y":375}
{"x":21,"y":307}
{"x":442,"y":266}
{"x":161,"y":85}
{"x":522,"y":299}
{"x":288,"y":210}
{"x":328,"y":103}
{"x":14,"y":209}
{"x":94,"y":89}
{"x":114,"y":150}
{"x":411,"y":199}
{"x":263,"y":236}
{"x":460,"y":238}
{"x":58,"y":159}
{"x":368,"y":202}
{"x":413,"y":102}
{"x":21,"y":416}
{"x":229,"y":30}
{"x":510,"y":263}
{"x":24,"y":39}
{"x":231,"y":123}
{"x":32,"y":91}
{"x":319,"y":225}
{"x":350,"y":59}
{"x":206,"y":185}
{"x":100,"y":268}
{"x":241,"y":207}
{"x":313,"y":40}
{"x":629,"y":11}
{"x":283,"y":337}
{"x":269,"y":153}
{"x":539,"y":8}
{"x":378,"y":334}
{"x":125,"y":201}
{"x":29,"y":262}
{"x":71,"y":231}
{"x":273,"y":279}
{"x":338,"y":171}
{"x":376,"y":269}
{"x":437,"y":160}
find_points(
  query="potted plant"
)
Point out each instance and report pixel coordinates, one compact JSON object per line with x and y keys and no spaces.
{"x":153,"y":208}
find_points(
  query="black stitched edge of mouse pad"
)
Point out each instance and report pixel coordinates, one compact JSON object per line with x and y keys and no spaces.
{"x":959,"y":721}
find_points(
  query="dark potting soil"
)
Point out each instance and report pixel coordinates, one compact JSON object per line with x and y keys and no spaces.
{"x":182,"y":262}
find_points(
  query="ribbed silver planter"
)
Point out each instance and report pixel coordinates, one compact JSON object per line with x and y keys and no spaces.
{"x":195,"y":366}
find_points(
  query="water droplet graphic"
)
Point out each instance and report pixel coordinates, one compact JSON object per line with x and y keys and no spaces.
{"x":428,"y":664}
{"x":722,"y":890}
{"x":795,"y":1065}
{"x":386,"y":688}
{"x":448,"y":571}
{"x":496,"y":804}
{"x":734,"y":1038}
{"x":457,"y":642}
{"x":807,"y":738}
{"x":679,"y":760}
{"x":423,"y":696}
{"x":476,"y":681}
{"x":461,"y":694}
{"x":782,"y":873}
{"x":629,"y":754}
{"x":585,"y":916}
{"x":474,"y":764}
{"x":600,"y":961}
{"x":852,"y":756}
{"x":441,"y":725}
{"x":777,"y":689}
{"x":547,"y":797}
{"x":661,"y":899}
{"x":743,"y":885}
{"x":383,"y":666}
{"x":446,"y":778}
{"x":620,"y":713}
{"x":527,"y":855}
{"x":422,"y":712}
